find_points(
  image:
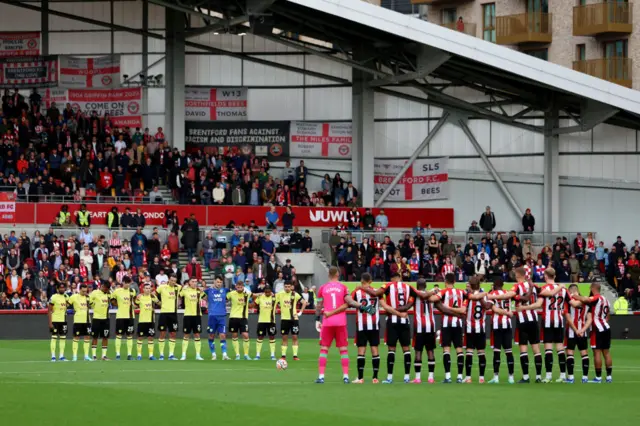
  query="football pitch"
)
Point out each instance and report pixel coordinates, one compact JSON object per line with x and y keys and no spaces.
{"x":35,"y":391}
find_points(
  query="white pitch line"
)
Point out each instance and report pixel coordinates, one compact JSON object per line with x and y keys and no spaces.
{"x":131,"y":371}
{"x":113,"y":383}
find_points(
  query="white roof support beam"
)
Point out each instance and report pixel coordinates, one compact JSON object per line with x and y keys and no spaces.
{"x":429,"y":59}
{"x":592,"y":113}
{"x":412,"y":159}
{"x":462,"y":122}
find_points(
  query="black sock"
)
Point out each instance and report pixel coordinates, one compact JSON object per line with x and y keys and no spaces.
{"x":468,"y":363}
{"x":585,"y":365}
{"x":609,"y":371}
{"x":446,"y":360}
{"x":417,"y":366}
{"x":570,"y":364}
{"x":537,"y":359}
{"x":496,"y":362}
{"x":511,"y":362}
{"x":361,"y":361}
{"x":598,"y":372}
{"x":482,"y":363}
{"x":376,"y":365}
{"x":548,"y":361}
{"x":524,"y":363}
{"x":460,"y":363}
{"x":562,"y":361}
{"x":391,"y":359}
{"x":432,"y":365}
{"x":407,"y":362}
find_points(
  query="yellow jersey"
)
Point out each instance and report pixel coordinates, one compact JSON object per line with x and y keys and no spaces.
{"x":239,"y":304}
{"x":99,"y":301}
{"x":80,"y":306}
{"x":125,"y":302}
{"x":145,"y":303}
{"x":192,"y":297}
{"x":267,"y":306}
{"x":59,"y":304}
{"x":168,"y":295}
{"x":288,"y":303}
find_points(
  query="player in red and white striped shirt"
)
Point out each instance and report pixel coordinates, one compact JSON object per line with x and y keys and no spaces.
{"x":553,"y":300}
{"x":451,"y":327}
{"x":578,"y":318}
{"x":475,"y":338}
{"x":369,"y":327}
{"x":600,"y":332}
{"x":501,"y":332}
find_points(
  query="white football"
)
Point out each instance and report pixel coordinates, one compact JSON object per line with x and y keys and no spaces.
{"x":281,"y":364}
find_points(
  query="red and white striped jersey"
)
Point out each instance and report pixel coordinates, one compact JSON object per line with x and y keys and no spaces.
{"x":600,"y":309}
{"x":448,"y":268}
{"x":554,"y":307}
{"x":364,"y":320}
{"x":476,"y":314}
{"x":578,"y":317}
{"x":500,"y":321}
{"x":521,"y":289}
{"x":397,"y":295}
{"x":423,"y":321}
{"x":452,"y":298}
{"x":527,"y":271}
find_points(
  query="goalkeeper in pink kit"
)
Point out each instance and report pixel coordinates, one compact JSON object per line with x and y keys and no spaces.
{"x":333,"y":299}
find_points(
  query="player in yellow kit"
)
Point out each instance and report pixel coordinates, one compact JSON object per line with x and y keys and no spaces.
{"x":81,"y":323}
{"x":288,"y":302}
{"x":124,"y":297}
{"x":57,"y":315}
{"x":146,"y":321}
{"x":192,"y":320}
{"x":100,"y":326}
{"x":266,"y":303}
{"x":168,"y":295}
{"x":238,"y":318}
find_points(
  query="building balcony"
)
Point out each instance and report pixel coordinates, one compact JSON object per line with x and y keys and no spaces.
{"x":524,"y":28}
{"x":467,"y":28}
{"x":615,"y":70}
{"x":603,"y":18}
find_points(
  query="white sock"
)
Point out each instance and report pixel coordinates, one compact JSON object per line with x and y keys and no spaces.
{"x":537,"y":376}
{"x":608,"y":377}
{"x":526,"y":377}
{"x":571,"y":377}
{"x":481,"y":378}
{"x":417,"y":376}
{"x":320,"y":376}
{"x":431,"y":375}
{"x":406,"y":377}
{"x":345,"y":376}
{"x":548,"y":376}
{"x":459,"y":376}
{"x":466,"y":378}
{"x":563,"y":375}
{"x":389,"y":377}
{"x":447,"y":375}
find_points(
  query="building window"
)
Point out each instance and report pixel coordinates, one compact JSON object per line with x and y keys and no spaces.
{"x":581,"y":52}
{"x":449,"y":16}
{"x":616,"y":53}
{"x":538,"y":53}
{"x":489,"y":22}
{"x":615,"y":49}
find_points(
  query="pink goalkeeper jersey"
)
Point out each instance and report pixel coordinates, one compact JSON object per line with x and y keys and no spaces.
{"x":332,"y":295}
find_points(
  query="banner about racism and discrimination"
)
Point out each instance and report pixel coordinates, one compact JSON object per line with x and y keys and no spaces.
{"x":122,"y":105}
{"x":29,"y":72}
{"x":215,"y":104}
{"x":327,"y":140}
{"x":19,"y":44}
{"x":264,"y":138}
{"x":426,"y":179}
{"x":102,"y":72}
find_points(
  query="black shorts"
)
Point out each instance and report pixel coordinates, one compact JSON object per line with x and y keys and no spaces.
{"x":100,"y":328}
{"x":59,"y":329}
{"x":398,"y":333}
{"x":82,"y":329}
{"x":424,"y":341}
{"x":146,"y":329}
{"x":477,"y":341}
{"x":552,"y":335}
{"x":168,"y":322}
{"x":192,"y":325}
{"x":581,"y":342}
{"x":502,"y":338}
{"x":370,"y":337}
{"x":267,"y":329}
{"x":601,"y":339}
{"x":528,"y":333}
{"x":289,"y":327}
{"x":451,"y":336}
{"x":124,"y":326}
{"x":238,"y":325}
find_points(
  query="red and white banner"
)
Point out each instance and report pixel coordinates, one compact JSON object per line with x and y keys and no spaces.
{"x":328,"y":140}
{"x":19,"y":44}
{"x":424,"y":180}
{"x":29,"y":72}
{"x":209,"y":216}
{"x":7,"y":211}
{"x":59,"y":96}
{"x":102,"y":72}
{"x":122,"y":105}
{"x":220,"y":104}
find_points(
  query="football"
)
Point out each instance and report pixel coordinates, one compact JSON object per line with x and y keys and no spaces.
{"x":281,"y":364}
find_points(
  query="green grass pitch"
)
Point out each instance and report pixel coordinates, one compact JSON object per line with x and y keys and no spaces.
{"x":35,"y":391}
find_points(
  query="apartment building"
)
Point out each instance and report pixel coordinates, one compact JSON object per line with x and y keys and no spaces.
{"x":596,"y":37}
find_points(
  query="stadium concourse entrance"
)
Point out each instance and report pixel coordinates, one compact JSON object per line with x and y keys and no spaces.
{"x":26,"y":325}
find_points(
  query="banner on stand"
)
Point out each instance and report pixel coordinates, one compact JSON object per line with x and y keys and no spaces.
{"x":426,"y":179}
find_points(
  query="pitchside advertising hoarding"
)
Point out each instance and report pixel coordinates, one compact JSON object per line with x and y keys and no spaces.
{"x":215,"y":104}
{"x":426,"y":179}
{"x":209,"y":216}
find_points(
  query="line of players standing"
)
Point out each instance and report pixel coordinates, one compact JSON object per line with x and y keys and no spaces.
{"x":567,"y":320}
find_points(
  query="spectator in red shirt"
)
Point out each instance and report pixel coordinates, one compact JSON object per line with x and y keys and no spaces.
{"x":194,"y":270}
{"x":106,"y":181}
